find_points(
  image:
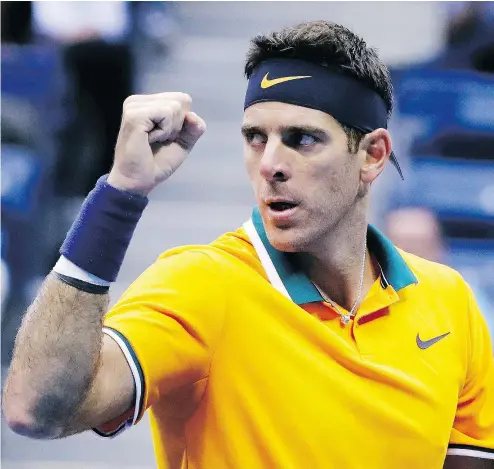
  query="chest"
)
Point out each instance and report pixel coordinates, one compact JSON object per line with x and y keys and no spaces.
{"x":389,"y":375}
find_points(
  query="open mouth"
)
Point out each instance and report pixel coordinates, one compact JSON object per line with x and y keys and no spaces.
{"x":281,"y":206}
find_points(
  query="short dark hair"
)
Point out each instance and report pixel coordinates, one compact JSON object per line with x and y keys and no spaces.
{"x":329,"y":45}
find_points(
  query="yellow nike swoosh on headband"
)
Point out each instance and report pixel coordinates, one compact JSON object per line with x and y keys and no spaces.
{"x":267,"y":83}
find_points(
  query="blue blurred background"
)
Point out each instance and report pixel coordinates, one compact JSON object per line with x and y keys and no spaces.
{"x":68,"y":66}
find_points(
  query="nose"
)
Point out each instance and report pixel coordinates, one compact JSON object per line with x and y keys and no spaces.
{"x":275,"y":165}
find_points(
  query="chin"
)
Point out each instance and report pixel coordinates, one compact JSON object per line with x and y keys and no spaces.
{"x":289,"y":239}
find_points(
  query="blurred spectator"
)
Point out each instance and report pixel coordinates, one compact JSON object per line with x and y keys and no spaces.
{"x":469,"y":36}
{"x":104,"y":41}
{"x":417,"y":230}
{"x":99,"y":64}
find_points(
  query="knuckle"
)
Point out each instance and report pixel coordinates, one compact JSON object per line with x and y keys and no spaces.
{"x":129,"y":100}
{"x":186,"y":98}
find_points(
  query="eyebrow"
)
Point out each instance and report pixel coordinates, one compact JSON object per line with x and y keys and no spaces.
{"x":247,"y":128}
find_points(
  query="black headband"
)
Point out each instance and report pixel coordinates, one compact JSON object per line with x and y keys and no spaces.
{"x":302,"y":83}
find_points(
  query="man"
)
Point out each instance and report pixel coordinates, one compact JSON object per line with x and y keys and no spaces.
{"x":305,"y":338}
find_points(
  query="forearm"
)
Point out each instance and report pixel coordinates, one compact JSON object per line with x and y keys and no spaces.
{"x":55,"y":358}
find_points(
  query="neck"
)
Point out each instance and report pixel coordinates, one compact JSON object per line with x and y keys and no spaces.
{"x":334,"y":264}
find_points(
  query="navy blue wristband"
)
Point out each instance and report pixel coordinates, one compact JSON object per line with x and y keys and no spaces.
{"x":100,"y":235}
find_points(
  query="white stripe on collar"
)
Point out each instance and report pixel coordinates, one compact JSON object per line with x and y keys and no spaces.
{"x":266,"y":261}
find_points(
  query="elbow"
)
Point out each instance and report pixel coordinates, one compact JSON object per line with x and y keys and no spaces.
{"x":24,"y":423}
{"x":37,"y":410}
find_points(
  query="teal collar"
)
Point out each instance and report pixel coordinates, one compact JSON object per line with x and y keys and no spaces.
{"x":294,"y":283}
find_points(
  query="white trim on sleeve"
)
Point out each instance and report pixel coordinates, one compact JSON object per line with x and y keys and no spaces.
{"x":133,"y":367}
{"x":472,"y":453}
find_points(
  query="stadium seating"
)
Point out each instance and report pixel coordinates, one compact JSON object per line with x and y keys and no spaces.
{"x":452,"y":159}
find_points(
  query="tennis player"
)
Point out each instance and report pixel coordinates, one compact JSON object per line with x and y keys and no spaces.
{"x":305,"y":339}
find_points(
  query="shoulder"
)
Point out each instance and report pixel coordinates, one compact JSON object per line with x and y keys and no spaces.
{"x":435,"y":276}
{"x":229,"y":252}
{"x":440,"y":289}
{"x":184,"y":278}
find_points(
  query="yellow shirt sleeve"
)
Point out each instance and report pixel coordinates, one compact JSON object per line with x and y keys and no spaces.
{"x":168,"y":324}
{"x":473,"y":429}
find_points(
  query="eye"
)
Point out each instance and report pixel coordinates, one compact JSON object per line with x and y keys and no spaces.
{"x":255,"y":138}
{"x":300,"y":139}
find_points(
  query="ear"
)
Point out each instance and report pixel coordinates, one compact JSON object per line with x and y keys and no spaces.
{"x":377,"y":148}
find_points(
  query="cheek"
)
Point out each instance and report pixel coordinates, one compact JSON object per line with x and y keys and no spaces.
{"x":331,"y":188}
{"x":323,"y":180}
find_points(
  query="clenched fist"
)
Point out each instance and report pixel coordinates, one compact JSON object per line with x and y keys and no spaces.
{"x":156,"y":134}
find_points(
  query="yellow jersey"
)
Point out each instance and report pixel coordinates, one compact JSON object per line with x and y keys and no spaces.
{"x":242,"y":365}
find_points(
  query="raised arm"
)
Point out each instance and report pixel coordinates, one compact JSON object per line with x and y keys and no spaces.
{"x":66,"y":376}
